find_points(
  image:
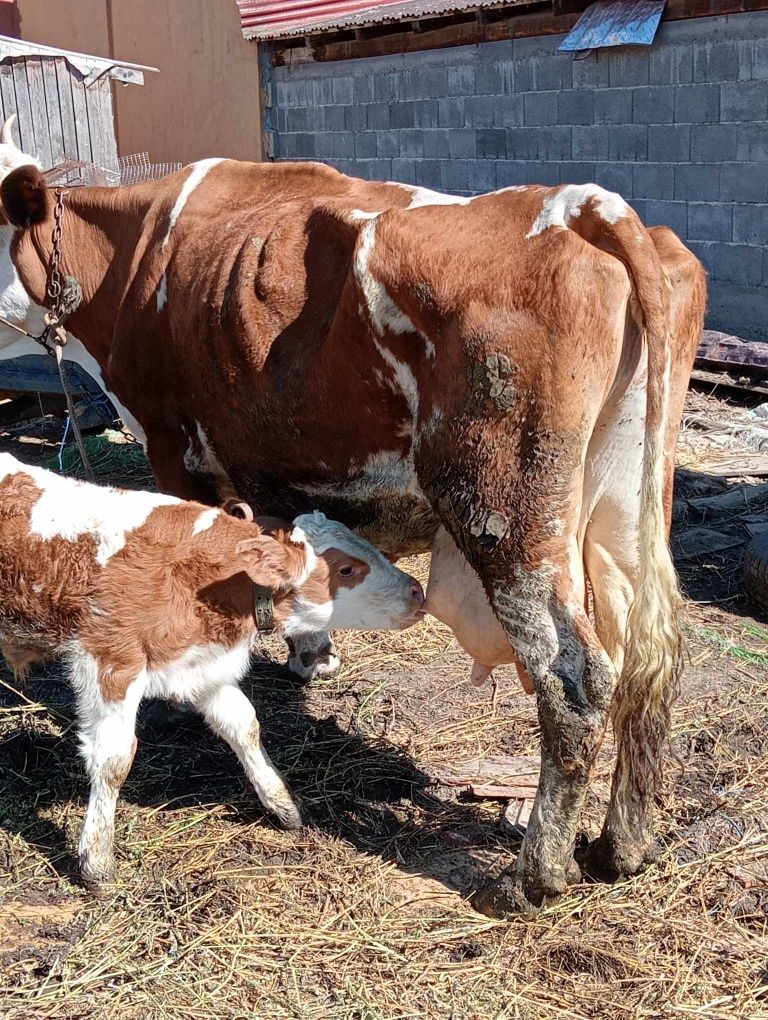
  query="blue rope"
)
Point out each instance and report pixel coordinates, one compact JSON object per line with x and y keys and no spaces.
{"x":94,"y":400}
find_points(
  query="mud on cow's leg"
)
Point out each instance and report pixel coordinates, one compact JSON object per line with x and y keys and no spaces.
{"x":574,"y":681}
{"x":312,"y":655}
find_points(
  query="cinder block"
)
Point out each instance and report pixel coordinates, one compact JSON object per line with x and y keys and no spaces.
{"x":356,"y":117}
{"x":738,"y":184}
{"x":377,"y":116}
{"x":628,"y":141}
{"x":739,"y":310}
{"x":454,"y":175}
{"x":524,"y":76}
{"x":753,"y":56}
{"x":744,"y":100}
{"x":668,"y":214}
{"x":462,"y":143}
{"x":461,"y":80}
{"x":704,"y":252}
{"x":713,"y":143}
{"x":343,"y":90}
{"x":412,"y":143}
{"x":297,"y":119}
{"x":670,"y":143}
{"x":739,"y":263}
{"x":613,"y":106}
{"x":428,"y":173}
{"x":481,"y":175}
{"x":553,"y":71}
{"x":671,"y":65}
{"x":750,"y":224}
{"x":653,"y":104}
{"x":450,"y":112}
{"x":697,"y":104}
{"x":436,"y":143}
{"x":590,"y":143}
{"x":653,"y":180}
{"x":365,"y":145}
{"x":522,"y":143}
{"x":401,"y":115}
{"x":388,"y":144}
{"x":422,"y":83}
{"x":491,"y":143}
{"x":629,"y":65}
{"x":716,"y":61}
{"x":333,"y":118}
{"x":385,"y":88}
{"x":508,"y":110}
{"x":489,"y":80}
{"x":540,"y":108}
{"x":404,"y":170}
{"x":555,"y":143}
{"x":710,"y":221}
{"x":511,"y":173}
{"x":479,"y":111}
{"x":752,"y":144}
{"x":425,"y":113}
{"x":577,"y":173}
{"x":362,"y":89}
{"x":697,"y":182}
{"x":592,"y":71}
{"x":576,"y":106}
{"x":615,"y":177}
{"x":321,"y":93}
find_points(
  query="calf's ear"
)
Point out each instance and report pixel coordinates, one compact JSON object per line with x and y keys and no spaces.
{"x":25,"y":197}
{"x":266,"y":561}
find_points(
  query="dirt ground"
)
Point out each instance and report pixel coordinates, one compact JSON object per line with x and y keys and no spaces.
{"x":363,"y":915}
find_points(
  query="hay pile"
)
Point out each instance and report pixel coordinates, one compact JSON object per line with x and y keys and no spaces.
{"x":363,"y":916}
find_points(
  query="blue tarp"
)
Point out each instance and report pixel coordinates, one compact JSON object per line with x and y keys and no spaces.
{"x":615,"y":23}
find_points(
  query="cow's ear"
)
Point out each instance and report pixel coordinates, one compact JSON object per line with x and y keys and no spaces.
{"x":25,"y":197}
{"x":265,"y":561}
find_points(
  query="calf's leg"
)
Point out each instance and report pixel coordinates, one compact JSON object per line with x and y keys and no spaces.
{"x":108,"y":741}
{"x":231,"y":715}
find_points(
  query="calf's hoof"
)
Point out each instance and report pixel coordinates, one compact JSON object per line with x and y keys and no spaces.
{"x":97,"y":874}
{"x":306,"y":668}
{"x":289,"y":815}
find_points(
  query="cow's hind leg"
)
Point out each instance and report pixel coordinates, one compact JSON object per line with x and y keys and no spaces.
{"x":231,"y":715}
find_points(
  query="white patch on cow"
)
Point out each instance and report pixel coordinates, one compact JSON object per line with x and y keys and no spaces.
{"x":69,"y":509}
{"x":383,"y":311}
{"x":429,"y":347}
{"x":199,"y":671}
{"x":206,"y":461}
{"x":162,"y":293}
{"x":359,"y":216}
{"x":197,"y":172}
{"x":205,"y":520}
{"x":425,"y":196}
{"x":567,"y":203}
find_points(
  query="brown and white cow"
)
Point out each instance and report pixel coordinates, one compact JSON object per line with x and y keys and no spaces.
{"x":508,"y":368}
{"x":142,"y":595}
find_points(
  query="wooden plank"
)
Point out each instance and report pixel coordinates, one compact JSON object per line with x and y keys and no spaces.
{"x":101,"y":123}
{"x":8,"y":92}
{"x":37,"y":100}
{"x":66,"y":108}
{"x":26,"y":124}
{"x":55,"y":126}
{"x":82,"y":131}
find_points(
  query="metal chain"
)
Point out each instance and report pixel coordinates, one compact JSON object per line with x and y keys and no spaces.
{"x":54,"y":279}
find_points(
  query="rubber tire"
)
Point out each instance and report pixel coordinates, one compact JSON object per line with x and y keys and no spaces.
{"x":756,"y":570}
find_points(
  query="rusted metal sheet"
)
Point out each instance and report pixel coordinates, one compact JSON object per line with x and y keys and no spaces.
{"x":615,"y":23}
{"x":281,"y":19}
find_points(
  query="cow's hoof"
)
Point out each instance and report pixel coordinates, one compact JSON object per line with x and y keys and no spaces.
{"x":504,"y":899}
{"x":306,"y":670}
{"x":97,"y":876}
{"x":608,"y":859}
{"x":288,"y":815}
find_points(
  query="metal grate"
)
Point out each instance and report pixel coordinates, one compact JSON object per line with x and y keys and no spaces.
{"x":130,"y":170}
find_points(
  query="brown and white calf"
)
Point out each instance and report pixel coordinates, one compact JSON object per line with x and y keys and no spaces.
{"x":143,"y":595}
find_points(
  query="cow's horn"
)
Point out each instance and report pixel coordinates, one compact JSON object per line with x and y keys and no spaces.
{"x":6,"y":134}
{"x":236,"y":508}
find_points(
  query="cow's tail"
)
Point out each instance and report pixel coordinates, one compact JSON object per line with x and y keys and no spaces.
{"x":650,"y":675}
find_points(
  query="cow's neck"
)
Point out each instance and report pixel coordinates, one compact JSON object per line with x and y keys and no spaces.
{"x":100,"y":232}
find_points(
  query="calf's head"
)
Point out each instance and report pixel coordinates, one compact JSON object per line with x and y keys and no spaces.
{"x":345,"y":583}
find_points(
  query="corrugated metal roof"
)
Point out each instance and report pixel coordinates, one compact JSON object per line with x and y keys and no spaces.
{"x":281,"y":19}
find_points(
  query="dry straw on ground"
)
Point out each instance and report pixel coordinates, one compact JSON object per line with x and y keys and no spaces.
{"x":363,"y":916}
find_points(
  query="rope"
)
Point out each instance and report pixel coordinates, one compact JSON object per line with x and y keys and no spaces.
{"x":72,"y":420}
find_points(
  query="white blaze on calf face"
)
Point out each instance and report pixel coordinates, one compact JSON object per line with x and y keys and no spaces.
{"x":568,"y":202}
{"x":382,"y":599}
{"x":108,"y":515}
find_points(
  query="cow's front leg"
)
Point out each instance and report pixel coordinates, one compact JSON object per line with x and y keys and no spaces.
{"x":574,"y":681}
{"x":312,"y":655}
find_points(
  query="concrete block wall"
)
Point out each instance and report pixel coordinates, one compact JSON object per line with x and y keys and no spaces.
{"x":680,"y":129}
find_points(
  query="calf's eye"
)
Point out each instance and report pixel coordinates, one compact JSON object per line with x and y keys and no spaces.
{"x":347,"y":571}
